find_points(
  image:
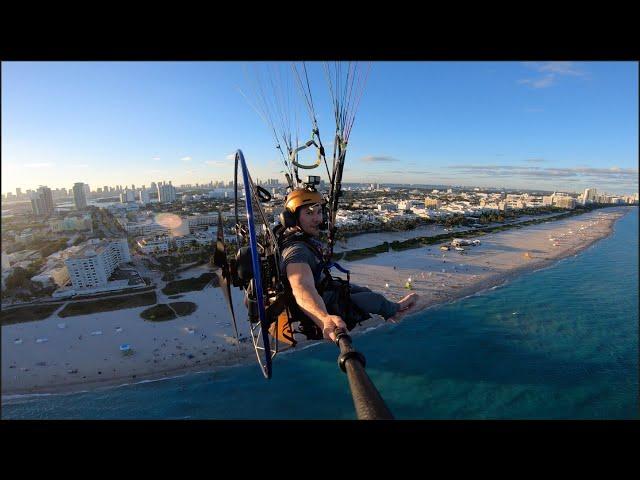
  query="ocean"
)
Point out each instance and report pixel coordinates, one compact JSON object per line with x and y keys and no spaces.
{"x":558,"y":343}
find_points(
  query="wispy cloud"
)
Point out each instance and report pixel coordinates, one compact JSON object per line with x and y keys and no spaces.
{"x":561,"y":68}
{"x":231,"y":156}
{"x":155,"y":157}
{"x":186,"y":159}
{"x":535,"y":160}
{"x":626,"y":174}
{"x":543,"y":82}
{"x":550,"y":72}
{"x":380,"y":158}
{"x":39,"y":165}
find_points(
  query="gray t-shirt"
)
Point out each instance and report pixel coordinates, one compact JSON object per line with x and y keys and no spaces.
{"x":300,"y":252}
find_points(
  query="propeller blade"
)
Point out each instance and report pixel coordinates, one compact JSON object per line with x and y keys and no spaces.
{"x":220,"y":254}
{"x":224,"y":275}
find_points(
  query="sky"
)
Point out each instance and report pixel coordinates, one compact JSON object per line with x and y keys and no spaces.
{"x":542,"y":125}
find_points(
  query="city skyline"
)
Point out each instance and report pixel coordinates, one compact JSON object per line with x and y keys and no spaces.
{"x":561,"y":126}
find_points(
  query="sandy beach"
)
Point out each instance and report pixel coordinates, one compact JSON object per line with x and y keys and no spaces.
{"x":83,"y":352}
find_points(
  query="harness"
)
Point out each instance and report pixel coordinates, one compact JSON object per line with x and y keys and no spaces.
{"x":342,"y":304}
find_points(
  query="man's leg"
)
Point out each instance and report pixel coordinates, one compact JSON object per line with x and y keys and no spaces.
{"x":372,"y":302}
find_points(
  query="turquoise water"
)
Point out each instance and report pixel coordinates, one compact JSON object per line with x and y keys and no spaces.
{"x":559,"y":343}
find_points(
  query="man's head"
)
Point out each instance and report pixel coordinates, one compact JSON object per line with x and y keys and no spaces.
{"x":306,"y":207}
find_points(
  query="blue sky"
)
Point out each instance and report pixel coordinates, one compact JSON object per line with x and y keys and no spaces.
{"x":547,"y":125}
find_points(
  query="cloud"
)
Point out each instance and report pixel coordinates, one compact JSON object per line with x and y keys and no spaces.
{"x":214,"y":163}
{"x":550,"y":71}
{"x":561,"y":68}
{"x":155,"y":158}
{"x":231,"y":156}
{"x":186,"y":159}
{"x":586,"y":173}
{"x":543,"y":82}
{"x":535,"y":160}
{"x":555,"y":68}
{"x":372,"y":158}
{"x":39,"y":165}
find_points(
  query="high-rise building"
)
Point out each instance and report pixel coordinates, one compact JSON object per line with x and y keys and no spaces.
{"x":42,"y":201}
{"x":87,"y":189}
{"x":143,"y":197}
{"x":589,"y":195}
{"x":18,"y":192}
{"x":166,"y":193}
{"x":93,"y":265}
{"x":127,"y":196}
{"x":79,"y":196}
{"x":105,"y":189}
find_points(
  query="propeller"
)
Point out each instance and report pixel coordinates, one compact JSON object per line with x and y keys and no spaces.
{"x":224,"y":274}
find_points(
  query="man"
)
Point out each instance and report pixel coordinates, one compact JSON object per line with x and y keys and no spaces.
{"x":323,"y":299}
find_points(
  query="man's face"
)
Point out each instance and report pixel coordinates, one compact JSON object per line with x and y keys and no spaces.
{"x":310,"y":219}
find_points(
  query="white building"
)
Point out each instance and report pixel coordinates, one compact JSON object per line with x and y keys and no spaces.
{"x":150,"y":228}
{"x":200,"y":238}
{"x":199,"y":220}
{"x":166,"y":192}
{"x":155,"y":244}
{"x":73,"y":223}
{"x":409,"y":204}
{"x":128,"y":196}
{"x":220,"y":193}
{"x":92,"y":266}
{"x":387,"y":207}
{"x":143,"y":197}
{"x":589,"y":195}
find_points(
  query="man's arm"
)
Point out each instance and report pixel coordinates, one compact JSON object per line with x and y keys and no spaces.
{"x":309,"y":300}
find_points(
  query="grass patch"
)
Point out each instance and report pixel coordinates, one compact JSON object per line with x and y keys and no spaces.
{"x":27,"y":314}
{"x":158,"y":313}
{"x":190,"y":284}
{"x":184,"y":308}
{"x":366,"y":252}
{"x":108,"y":304}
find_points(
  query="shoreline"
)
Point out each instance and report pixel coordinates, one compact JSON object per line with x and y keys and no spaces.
{"x":505,"y":264}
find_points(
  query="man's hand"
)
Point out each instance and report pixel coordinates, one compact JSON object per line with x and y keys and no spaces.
{"x":329,"y":325}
